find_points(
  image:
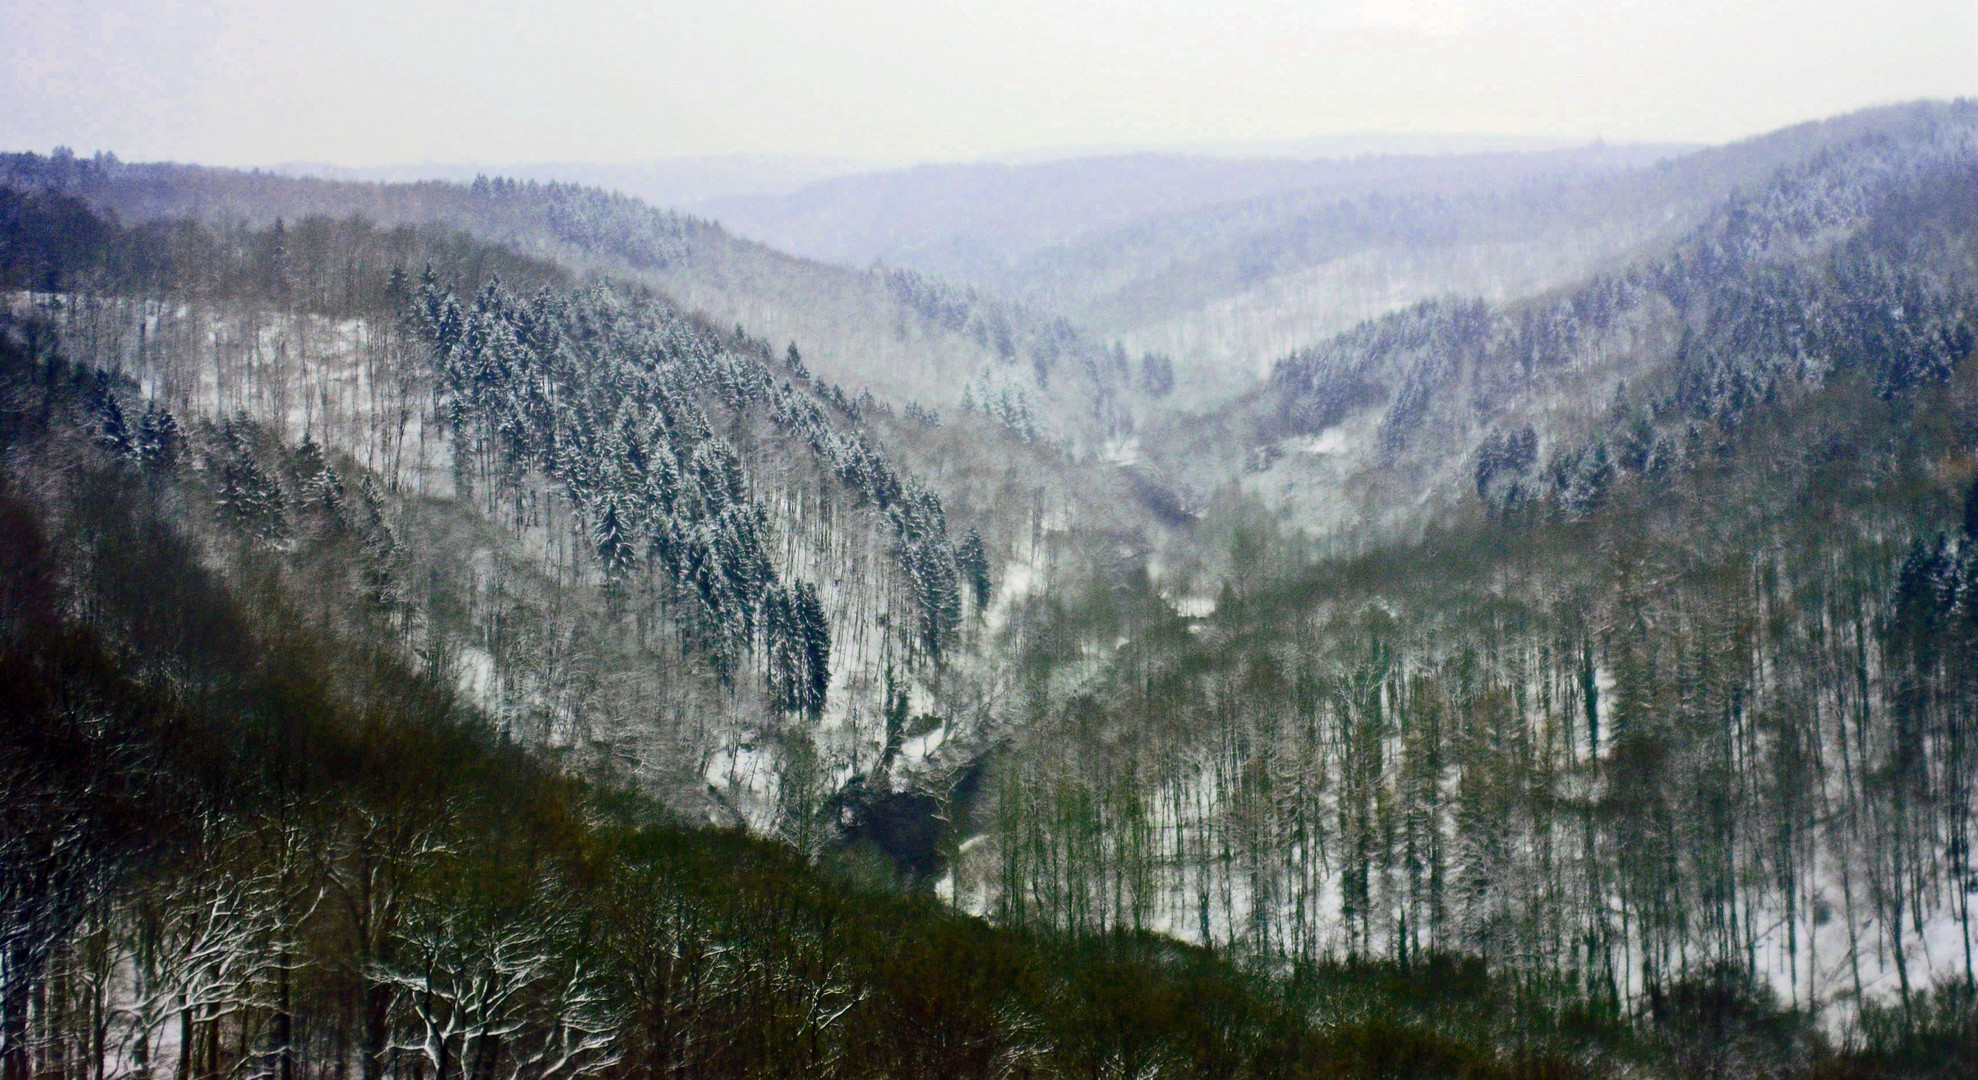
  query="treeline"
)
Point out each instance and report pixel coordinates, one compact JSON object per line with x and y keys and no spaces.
{"x":53,"y":242}
{"x":531,"y":217}
{"x":901,"y":332}
{"x":1694,"y":697}
{"x":1887,"y":307}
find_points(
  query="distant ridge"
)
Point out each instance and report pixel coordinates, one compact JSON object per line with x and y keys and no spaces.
{"x":664,"y":182}
{"x":974,"y":221}
{"x":1347,"y":145}
{"x":686,"y":181}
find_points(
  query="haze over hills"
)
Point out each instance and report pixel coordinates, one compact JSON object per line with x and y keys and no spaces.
{"x":906,"y":338}
{"x":1371,"y":415}
{"x":1224,"y":265}
{"x":1508,"y":613}
{"x":963,"y":219}
{"x":669,"y":183}
{"x":700,"y":184}
{"x":1215,"y":266}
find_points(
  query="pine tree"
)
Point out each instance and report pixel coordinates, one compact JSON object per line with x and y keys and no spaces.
{"x":322,"y":488}
{"x":974,"y":564}
{"x":1157,"y":375}
{"x":248,"y":494}
{"x":158,"y":439}
{"x":611,"y":538}
{"x":783,"y":659}
{"x":814,"y":635}
{"x":112,"y":431}
{"x":382,"y":553}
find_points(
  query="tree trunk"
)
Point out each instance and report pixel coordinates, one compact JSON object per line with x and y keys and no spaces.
{"x":284,"y":1021}
{"x":13,"y":1025}
{"x":377,"y":1009}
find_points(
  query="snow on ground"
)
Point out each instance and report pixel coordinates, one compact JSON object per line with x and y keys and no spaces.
{"x":746,"y":776}
{"x":916,"y":750}
{"x":1122,"y":451}
{"x":1330,"y":441}
{"x":476,"y":681}
{"x":1197,"y":606}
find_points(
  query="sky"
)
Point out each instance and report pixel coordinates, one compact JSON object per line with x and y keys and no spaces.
{"x":376,"y":82}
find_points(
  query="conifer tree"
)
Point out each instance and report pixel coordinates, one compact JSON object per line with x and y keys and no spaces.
{"x":611,"y":538}
{"x":112,"y":431}
{"x":974,"y":565}
{"x":814,"y":634}
{"x":248,"y":493}
{"x":158,"y":439}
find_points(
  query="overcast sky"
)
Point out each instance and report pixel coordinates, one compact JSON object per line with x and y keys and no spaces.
{"x":368,"y":82}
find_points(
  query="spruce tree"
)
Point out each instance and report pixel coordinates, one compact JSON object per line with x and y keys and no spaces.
{"x":783,"y":651}
{"x":611,"y":538}
{"x":974,"y":564}
{"x":112,"y":431}
{"x":814,"y":636}
{"x":158,"y":439}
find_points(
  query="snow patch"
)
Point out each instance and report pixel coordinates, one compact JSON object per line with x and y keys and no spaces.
{"x":746,"y":776}
{"x":1020,"y":577}
{"x":1122,"y":451}
{"x":1199,"y":606}
{"x":1330,"y":441}
{"x":476,"y":681}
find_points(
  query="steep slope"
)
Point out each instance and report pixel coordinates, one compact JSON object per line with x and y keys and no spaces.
{"x":1128,"y":243}
{"x":241,"y":836}
{"x":1634,"y":662}
{"x":1851,"y":259}
{"x":1226,"y":289}
{"x":906,"y":339}
{"x":1223,"y":266}
{"x":1606,"y":684}
{"x":672,"y":553}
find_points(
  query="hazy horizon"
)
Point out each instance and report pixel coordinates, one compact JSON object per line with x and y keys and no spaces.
{"x":881,"y":83}
{"x":1341,"y":145}
{"x":709,"y":179}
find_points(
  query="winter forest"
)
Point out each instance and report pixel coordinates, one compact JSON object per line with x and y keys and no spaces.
{"x":509,"y":631}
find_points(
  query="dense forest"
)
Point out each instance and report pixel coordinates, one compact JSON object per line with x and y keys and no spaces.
{"x":1675,"y":679}
{"x":437,"y":650}
{"x":906,"y":336}
{"x":679,"y":526}
{"x":241,"y":838}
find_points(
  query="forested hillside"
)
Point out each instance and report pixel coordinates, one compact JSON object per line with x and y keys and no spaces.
{"x":1855,"y":261}
{"x":1635,"y":645}
{"x":904,"y":337}
{"x":242,"y":836}
{"x":1230,"y":286}
{"x":983,"y":222}
{"x":1224,"y":265}
{"x":462,"y":635}
{"x":1136,"y":247}
{"x":671,"y":551}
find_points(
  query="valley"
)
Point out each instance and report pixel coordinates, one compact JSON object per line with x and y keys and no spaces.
{"x":1484,"y":614}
